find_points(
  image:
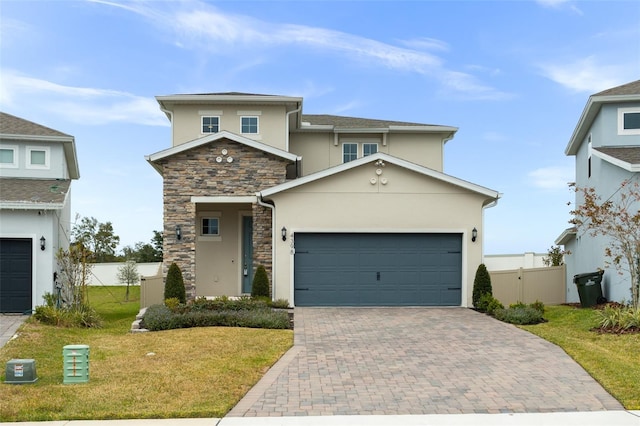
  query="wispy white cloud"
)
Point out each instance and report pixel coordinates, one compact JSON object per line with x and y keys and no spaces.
{"x":84,"y":105}
{"x":587,"y":74}
{"x":560,"y":4}
{"x":198,"y":25}
{"x":552,"y":177}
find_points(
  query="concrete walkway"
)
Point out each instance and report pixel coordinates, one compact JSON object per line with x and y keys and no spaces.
{"x":9,"y":324}
{"x":399,"y":361}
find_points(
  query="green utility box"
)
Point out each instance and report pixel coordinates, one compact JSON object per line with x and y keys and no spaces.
{"x":21,"y":371}
{"x":589,"y":288}
{"x":75,"y":363}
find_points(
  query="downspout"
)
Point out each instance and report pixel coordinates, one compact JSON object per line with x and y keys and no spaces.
{"x":273,"y":241}
{"x":170,"y":114}
{"x":287,"y":125}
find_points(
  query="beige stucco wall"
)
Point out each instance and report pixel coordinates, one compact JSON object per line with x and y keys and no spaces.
{"x":271,"y":122}
{"x":319,"y":150}
{"x":349,"y":202}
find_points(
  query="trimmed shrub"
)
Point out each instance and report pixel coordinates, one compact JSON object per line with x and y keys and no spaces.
{"x":488,"y":304}
{"x":157,"y":317}
{"x":521,"y":315}
{"x":174,"y":286}
{"x":481,"y":284}
{"x":260,"y":285}
{"x":280,"y":304}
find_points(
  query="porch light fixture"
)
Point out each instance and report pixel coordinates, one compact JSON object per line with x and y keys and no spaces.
{"x":42,"y":243}
{"x":474,"y":235}
{"x":178,"y":232}
{"x":284,"y":233}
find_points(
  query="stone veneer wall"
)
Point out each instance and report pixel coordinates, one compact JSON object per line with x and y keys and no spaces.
{"x":197,"y":173}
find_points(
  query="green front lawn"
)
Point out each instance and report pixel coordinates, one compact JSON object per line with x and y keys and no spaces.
{"x":198,"y":372}
{"x":613,"y":360}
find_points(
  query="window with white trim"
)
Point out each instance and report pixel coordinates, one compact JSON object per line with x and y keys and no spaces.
{"x":210,"y":124}
{"x":9,"y":157}
{"x":210,"y":226}
{"x":349,"y":152}
{"x":369,"y":149}
{"x":249,"y":125}
{"x":629,"y":121}
{"x":37,"y":157}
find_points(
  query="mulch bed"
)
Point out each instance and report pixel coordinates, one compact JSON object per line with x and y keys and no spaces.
{"x":610,"y":330}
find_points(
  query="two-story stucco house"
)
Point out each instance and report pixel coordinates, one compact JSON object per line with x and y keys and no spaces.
{"x":606,"y":146}
{"x":341,"y":211}
{"x":37,"y":165}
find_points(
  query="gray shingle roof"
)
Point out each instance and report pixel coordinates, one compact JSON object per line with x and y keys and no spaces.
{"x":628,"y":154}
{"x":33,"y":191}
{"x":12,"y":125}
{"x":632,"y":88}
{"x":353,"y":122}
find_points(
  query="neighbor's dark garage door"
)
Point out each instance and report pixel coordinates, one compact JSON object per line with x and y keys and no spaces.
{"x":15,"y":275}
{"x":333,"y":269}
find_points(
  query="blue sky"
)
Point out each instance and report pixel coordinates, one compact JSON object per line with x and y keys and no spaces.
{"x":513,"y":76}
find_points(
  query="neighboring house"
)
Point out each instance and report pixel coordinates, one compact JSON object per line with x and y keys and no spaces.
{"x":37,"y":165}
{"x":341,"y":211}
{"x":606,"y":144}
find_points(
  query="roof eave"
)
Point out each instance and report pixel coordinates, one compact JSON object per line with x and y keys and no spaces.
{"x":566,"y":236}
{"x":591,"y":110}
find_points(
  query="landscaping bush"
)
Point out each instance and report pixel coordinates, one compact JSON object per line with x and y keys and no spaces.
{"x":174,"y":286}
{"x":260,"y":285}
{"x":617,"y":318}
{"x":72,"y":316}
{"x":280,"y":304}
{"x":487,"y":303}
{"x":519,"y":314}
{"x":172,"y":303}
{"x":481,"y":284}
{"x":159,"y":317}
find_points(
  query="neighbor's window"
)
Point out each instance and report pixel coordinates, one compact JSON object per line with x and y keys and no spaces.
{"x":9,"y":156}
{"x":629,"y":121}
{"x":210,"y":226}
{"x":249,"y":124}
{"x":349,"y":152}
{"x":210,"y":124}
{"x":369,"y":149}
{"x":37,"y":158}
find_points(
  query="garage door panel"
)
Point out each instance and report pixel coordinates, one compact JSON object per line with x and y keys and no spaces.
{"x":15,"y":275}
{"x":377,"y":269}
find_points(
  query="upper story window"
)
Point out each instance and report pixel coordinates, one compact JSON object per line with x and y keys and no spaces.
{"x":369,"y":149}
{"x":37,"y":157}
{"x":210,"y":124}
{"x":349,"y":152}
{"x":9,"y":156}
{"x":249,"y":125}
{"x":629,"y":121}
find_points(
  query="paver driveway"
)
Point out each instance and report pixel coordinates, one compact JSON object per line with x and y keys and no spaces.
{"x":419,"y":361}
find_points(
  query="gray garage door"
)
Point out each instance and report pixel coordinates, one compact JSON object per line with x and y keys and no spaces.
{"x":15,"y":275}
{"x":334,"y":269}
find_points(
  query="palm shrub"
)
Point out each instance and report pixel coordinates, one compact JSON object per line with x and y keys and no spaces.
{"x":260,"y":286}
{"x":174,"y":286}
{"x":481,"y":284}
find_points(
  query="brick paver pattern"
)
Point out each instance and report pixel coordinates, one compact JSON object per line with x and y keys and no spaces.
{"x":360,"y":361}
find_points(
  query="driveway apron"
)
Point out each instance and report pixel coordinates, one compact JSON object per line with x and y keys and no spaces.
{"x":391,"y":361}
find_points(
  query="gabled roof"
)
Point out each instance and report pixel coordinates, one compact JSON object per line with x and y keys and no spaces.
{"x":18,"y":129}
{"x":494,"y":195}
{"x":29,"y":194}
{"x":154,"y":158}
{"x":626,"y":157}
{"x":629,"y":92}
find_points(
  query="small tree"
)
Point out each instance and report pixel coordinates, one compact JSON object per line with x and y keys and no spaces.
{"x":174,"y":286}
{"x":619,"y":220}
{"x":481,"y":284}
{"x":555,"y":257}
{"x":71,"y":281}
{"x":260,"y":285}
{"x":128,"y":274}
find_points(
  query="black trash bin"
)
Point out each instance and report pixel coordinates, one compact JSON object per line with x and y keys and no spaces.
{"x":589,"y":288}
